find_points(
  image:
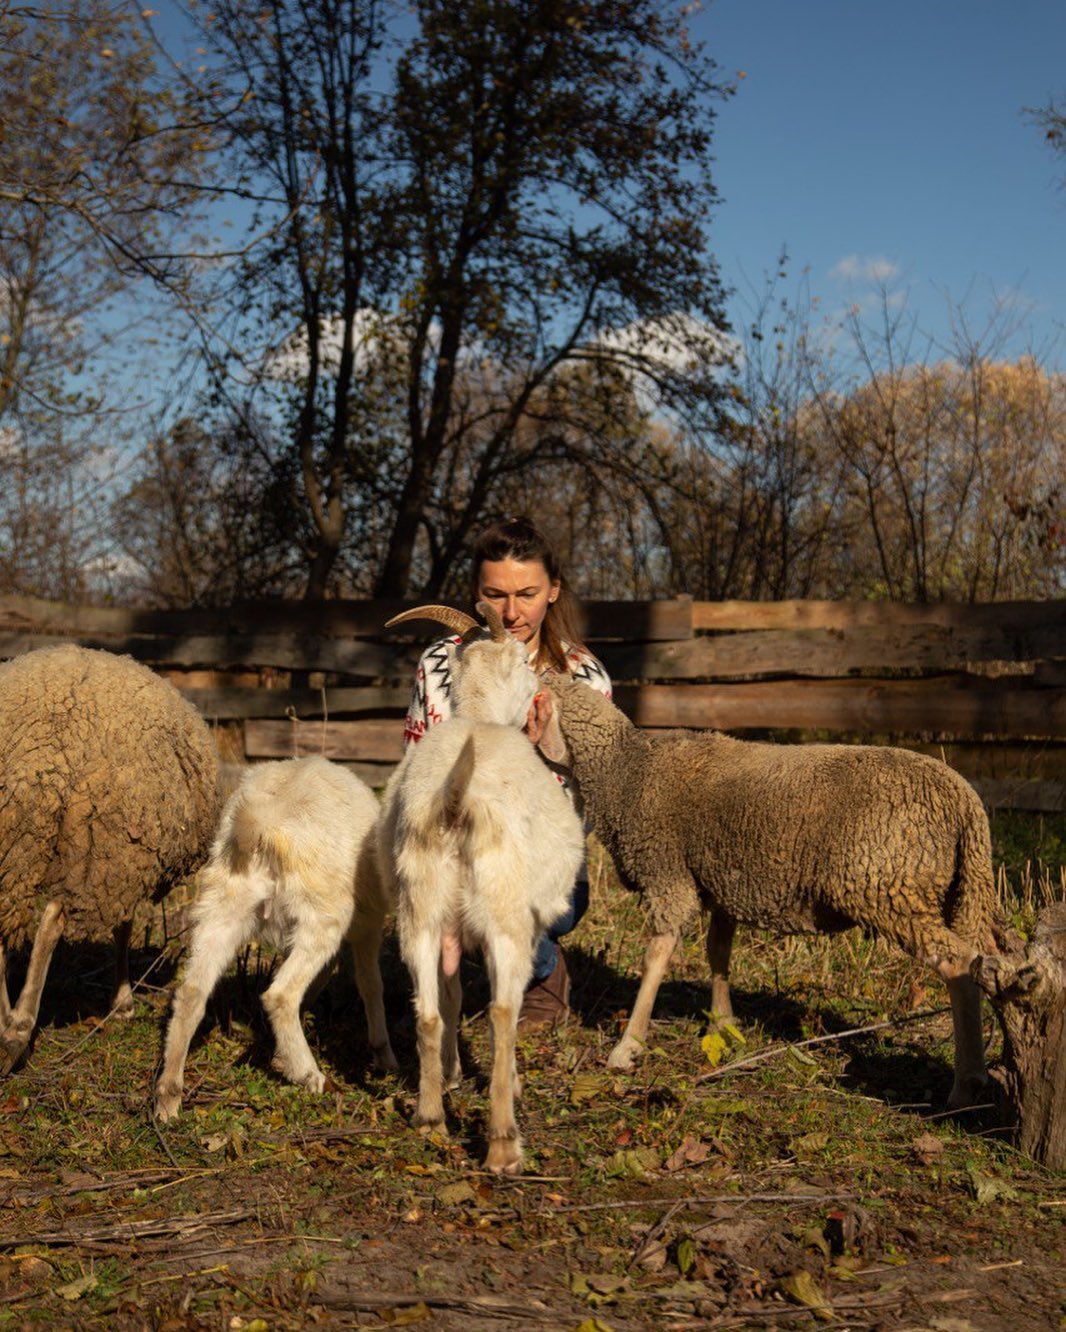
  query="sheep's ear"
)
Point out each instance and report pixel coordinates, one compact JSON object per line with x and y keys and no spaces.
{"x":551,"y":743}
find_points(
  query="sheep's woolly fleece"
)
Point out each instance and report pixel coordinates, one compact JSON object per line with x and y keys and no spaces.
{"x":108,"y":790}
{"x":791,"y":837}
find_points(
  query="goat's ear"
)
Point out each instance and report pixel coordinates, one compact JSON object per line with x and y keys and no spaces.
{"x":551,"y":743}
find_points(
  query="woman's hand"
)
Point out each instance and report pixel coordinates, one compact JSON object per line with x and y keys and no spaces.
{"x":540,"y":711}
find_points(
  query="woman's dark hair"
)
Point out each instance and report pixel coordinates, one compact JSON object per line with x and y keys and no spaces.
{"x":518,"y":539}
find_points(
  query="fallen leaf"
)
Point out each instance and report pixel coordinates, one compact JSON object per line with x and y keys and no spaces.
{"x":593,"y":1325}
{"x":803,"y":1288}
{"x":74,"y":1290}
{"x":686,"y":1255}
{"x":810,"y":1142}
{"x":453,"y":1194}
{"x":587,"y":1087}
{"x":927,"y":1148}
{"x":413,"y":1313}
{"x":691,"y":1152}
{"x":985,"y":1188}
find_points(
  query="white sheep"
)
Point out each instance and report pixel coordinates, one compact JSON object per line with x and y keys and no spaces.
{"x":479,"y":844}
{"x":792,"y":838}
{"x":293,"y":864}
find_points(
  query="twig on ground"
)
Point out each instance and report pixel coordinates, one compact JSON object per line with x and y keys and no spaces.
{"x":162,"y":1141}
{"x":706,"y":1201}
{"x":776,"y":1050}
{"x":650,"y":1236}
{"x":129,"y":1230}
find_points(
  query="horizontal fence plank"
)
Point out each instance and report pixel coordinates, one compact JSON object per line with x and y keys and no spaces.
{"x":1036,"y":797}
{"x":863,"y":707}
{"x":288,"y":652}
{"x":377,"y":739}
{"x":737,"y":615}
{"x":829,"y":652}
{"x":641,"y":620}
{"x":234,"y":704}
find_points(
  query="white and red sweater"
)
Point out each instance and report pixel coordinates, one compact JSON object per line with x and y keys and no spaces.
{"x":431,"y":699}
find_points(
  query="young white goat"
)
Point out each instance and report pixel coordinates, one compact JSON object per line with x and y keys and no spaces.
{"x":480,"y":846}
{"x":294,"y":865}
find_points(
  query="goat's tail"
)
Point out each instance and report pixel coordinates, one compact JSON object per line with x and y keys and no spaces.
{"x":456,"y":784}
{"x":258,"y":827}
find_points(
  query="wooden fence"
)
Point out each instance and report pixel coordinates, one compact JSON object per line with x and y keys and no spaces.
{"x":984,"y":685}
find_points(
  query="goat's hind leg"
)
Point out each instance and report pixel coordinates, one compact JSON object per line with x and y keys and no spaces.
{"x":22,"y":1019}
{"x":422,"y":955}
{"x":364,"y":939}
{"x":216,"y":938}
{"x":292,"y":1055}
{"x":509,"y":973}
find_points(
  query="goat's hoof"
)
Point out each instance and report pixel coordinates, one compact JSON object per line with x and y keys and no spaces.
{"x":505,"y":1156}
{"x":431,"y":1128}
{"x":167,"y":1106}
{"x":622,"y":1057}
{"x":314,"y":1082}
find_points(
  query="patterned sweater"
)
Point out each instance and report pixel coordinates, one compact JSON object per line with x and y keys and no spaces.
{"x":431,"y":700}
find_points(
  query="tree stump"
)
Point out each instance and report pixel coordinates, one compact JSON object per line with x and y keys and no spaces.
{"x":1027,"y":989}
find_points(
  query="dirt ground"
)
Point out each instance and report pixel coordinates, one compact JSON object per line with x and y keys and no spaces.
{"x":756,"y":1182}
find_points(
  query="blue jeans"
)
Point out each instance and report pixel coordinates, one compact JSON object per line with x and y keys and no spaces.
{"x":545,"y":954}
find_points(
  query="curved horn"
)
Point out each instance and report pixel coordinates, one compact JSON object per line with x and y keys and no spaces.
{"x":491,"y":616}
{"x":458,"y":621}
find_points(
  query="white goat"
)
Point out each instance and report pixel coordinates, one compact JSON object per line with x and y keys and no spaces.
{"x":293,"y":864}
{"x":480,"y":845}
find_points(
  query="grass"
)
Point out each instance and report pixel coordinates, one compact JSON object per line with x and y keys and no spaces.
{"x":822,"y":1184}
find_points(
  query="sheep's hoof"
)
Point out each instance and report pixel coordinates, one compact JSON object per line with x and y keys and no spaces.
{"x":505,"y":1156}
{"x":122,"y":1006}
{"x":314,"y":1082}
{"x":969,"y":1089}
{"x":431,"y":1128}
{"x":384,"y":1059}
{"x":12,"y":1047}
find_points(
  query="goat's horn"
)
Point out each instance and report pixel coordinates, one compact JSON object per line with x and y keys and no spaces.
{"x":491,"y":616}
{"x":456,"y":620}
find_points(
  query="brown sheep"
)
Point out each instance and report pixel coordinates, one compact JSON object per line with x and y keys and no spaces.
{"x":108,"y":796}
{"x":793,"y":838}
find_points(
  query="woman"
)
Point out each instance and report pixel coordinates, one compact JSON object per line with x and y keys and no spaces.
{"x":515,"y":569}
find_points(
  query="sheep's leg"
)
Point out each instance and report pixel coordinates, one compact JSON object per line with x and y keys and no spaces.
{"x":451,"y":990}
{"x":508,"y":976}
{"x":23,"y":1017}
{"x":971,"y":1072}
{"x":656,"y":960}
{"x":951,"y":957}
{"x":292,"y":1055}
{"x":720,"y":931}
{"x":122,"y":1003}
{"x":5,"y":1002}
{"x":215,"y":942}
{"x":423,"y":962}
{"x":364,"y":939}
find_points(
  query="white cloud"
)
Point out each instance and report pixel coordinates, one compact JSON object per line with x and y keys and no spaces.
{"x":374,"y":337}
{"x":672,"y":344}
{"x":864,"y":268}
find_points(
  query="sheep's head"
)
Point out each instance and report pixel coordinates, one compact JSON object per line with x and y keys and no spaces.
{"x":492,"y":680}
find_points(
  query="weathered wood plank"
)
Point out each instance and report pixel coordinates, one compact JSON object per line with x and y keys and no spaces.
{"x":829,"y":652}
{"x":349,"y":657}
{"x":873,"y":614}
{"x":1036,"y":797}
{"x":377,"y":739}
{"x":651,"y":620}
{"x":229,"y":704}
{"x":862,"y":707}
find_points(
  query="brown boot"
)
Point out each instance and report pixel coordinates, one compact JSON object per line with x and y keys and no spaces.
{"x":546,"y":1002}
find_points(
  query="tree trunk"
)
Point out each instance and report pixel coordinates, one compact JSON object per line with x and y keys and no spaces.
{"x":1027,"y":989}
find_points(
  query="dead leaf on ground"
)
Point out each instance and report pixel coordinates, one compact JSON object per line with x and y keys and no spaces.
{"x":927,"y":1148}
{"x":803,"y":1288}
{"x":691,"y":1152}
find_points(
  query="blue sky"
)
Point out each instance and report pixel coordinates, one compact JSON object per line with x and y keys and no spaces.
{"x":894,"y":134}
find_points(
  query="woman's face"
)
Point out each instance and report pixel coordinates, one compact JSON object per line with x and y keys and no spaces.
{"x":521,"y":591}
